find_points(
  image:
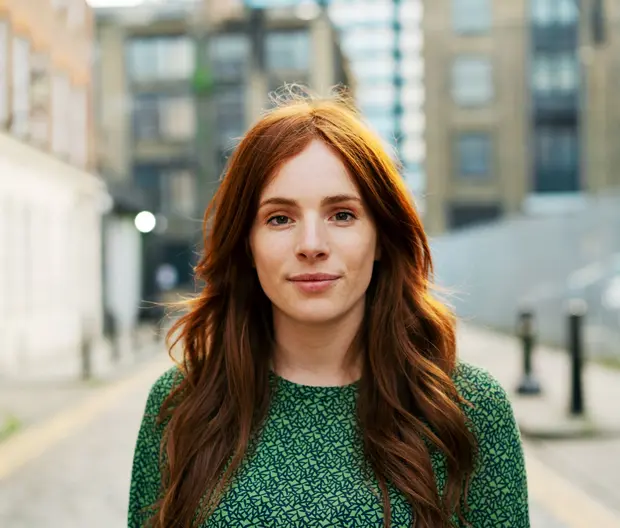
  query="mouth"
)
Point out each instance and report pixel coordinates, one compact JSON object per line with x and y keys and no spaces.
{"x":314,"y":282}
{"x":313,"y":277}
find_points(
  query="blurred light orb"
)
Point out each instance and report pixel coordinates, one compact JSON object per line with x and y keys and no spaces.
{"x":307,"y":10}
{"x":145,"y":222}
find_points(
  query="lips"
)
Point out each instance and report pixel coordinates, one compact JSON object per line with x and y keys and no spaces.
{"x":313,"y":277}
{"x":312,"y":283}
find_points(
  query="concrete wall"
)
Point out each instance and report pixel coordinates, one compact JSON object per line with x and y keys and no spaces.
{"x":541,"y":262}
{"x":50,"y":261}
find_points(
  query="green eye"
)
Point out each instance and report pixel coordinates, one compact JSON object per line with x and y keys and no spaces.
{"x":343,"y":216}
{"x":278,"y":220}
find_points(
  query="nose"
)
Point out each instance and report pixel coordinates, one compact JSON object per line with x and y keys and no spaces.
{"x":312,"y":243}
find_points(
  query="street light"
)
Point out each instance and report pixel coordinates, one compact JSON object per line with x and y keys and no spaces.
{"x":145,"y":221}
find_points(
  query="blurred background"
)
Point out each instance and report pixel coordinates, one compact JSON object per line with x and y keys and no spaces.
{"x":117,"y":118}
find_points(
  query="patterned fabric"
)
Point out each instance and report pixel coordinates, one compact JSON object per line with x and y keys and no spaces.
{"x":306,"y":468}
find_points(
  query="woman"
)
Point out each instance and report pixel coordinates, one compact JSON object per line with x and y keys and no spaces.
{"x":319,"y":384}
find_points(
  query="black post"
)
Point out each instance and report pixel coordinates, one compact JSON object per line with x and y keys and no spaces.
{"x":576,"y":314}
{"x":529,"y":385}
{"x":86,"y":351}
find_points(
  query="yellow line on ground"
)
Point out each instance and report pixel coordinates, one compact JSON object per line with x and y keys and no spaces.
{"x":32,"y":442}
{"x":564,"y":501}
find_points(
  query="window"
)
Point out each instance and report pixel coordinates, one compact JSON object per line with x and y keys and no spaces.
{"x":21,"y":88}
{"x":557,"y":159}
{"x":61,"y":93}
{"x":4,"y":78}
{"x":467,"y":215}
{"x":556,"y":148}
{"x":179,"y":192}
{"x":472,"y":80}
{"x":79,"y":127}
{"x":288,"y":50}
{"x":158,"y":116}
{"x":555,"y":72}
{"x":473,"y":156}
{"x":471,"y":16}
{"x":554,"y":12}
{"x":230,"y":115}
{"x":229,"y":55}
{"x":160,"y":58}
{"x":39,"y":99}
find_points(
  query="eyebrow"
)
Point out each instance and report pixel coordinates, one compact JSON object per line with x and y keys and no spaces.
{"x":328,"y":200}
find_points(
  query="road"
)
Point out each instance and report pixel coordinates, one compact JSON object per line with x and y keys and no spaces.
{"x":82,"y":480}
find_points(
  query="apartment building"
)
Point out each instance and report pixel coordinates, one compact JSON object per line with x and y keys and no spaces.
{"x":51,"y":203}
{"x":519,"y":112}
{"x":178,"y":85}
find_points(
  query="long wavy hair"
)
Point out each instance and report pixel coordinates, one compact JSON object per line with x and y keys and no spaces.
{"x":408,"y":405}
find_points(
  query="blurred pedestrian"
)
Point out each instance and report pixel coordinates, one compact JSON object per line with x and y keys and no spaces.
{"x":319,"y":384}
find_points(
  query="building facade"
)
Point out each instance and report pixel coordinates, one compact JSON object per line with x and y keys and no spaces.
{"x":518,"y":109}
{"x":178,"y":85}
{"x":51,"y":203}
{"x":368,"y":40}
{"x":147,"y":126}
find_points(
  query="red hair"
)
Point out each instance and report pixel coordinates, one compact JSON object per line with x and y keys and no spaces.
{"x":408,"y":405}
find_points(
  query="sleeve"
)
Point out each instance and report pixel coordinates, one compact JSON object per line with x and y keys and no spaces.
{"x":145,"y":486}
{"x":498,"y":495}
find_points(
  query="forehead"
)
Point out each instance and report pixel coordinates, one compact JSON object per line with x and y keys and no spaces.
{"x":316,"y":171}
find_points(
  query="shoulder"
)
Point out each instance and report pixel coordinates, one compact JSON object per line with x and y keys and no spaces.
{"x":162,"y":388}
{"x":488,"y":402}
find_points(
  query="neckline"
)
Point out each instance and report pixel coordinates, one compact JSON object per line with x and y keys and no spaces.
{"x":300,"y":387}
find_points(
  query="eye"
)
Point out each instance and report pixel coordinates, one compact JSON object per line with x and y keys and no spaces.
{"x":278,"y":220}
{"x":343,"y":216}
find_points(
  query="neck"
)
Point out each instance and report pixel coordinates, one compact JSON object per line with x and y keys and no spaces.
{"x":318,"y":354}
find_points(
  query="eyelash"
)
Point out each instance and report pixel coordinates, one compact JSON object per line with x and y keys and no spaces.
{"x":270,"y":220}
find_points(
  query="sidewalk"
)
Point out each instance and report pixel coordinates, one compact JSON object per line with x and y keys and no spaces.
{"x":590,"y":466}
{"x":25,"y":402}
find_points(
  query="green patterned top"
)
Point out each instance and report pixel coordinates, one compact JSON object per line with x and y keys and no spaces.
{"x":306,"y":470}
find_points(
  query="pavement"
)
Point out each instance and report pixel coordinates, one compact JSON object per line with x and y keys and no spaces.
{"x":575,"y":477}
{"x":70,"y":464}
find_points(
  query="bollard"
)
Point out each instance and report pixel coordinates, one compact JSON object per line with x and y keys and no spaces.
{"x":577,"y":310}
{"x":529,"y":384}
{"x":86,"y":352}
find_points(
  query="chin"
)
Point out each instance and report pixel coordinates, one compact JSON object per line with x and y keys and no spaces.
{"x":316,"y":313}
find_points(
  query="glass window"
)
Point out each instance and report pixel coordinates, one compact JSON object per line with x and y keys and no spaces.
{"x":555,"y":72}
{"x":179,"y":192}
{"x":39,"y":99}
{"x":554,"y":12}
{"x":230,"y":115}
{"x":21,"y":87}
{"x":462,"y":215}
{"x":288,"y":50}
{"x":79,"y":127}
{"x":146,"y":117}
{"x":471,"y":16}
{"x":161,"y":116}
{"x":472,"y":80}
{"x":177,"y":117}
{"x":556,"y":148}
{"x":473,"y":155}
{"x":229,"y":55}
{"x":60,"y":111}
{"x":4,"y":78}
{"x":160,"y":58}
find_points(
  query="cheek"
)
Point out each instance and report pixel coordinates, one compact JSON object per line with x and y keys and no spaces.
{"x":269,"y":254}
{"x":359,"y":251}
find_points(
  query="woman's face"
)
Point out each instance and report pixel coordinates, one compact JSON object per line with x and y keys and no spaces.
{"x":313,"y":241}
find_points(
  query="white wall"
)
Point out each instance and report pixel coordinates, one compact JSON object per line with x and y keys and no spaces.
{"x":50,"y":261}
{"x":123,"y":272}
